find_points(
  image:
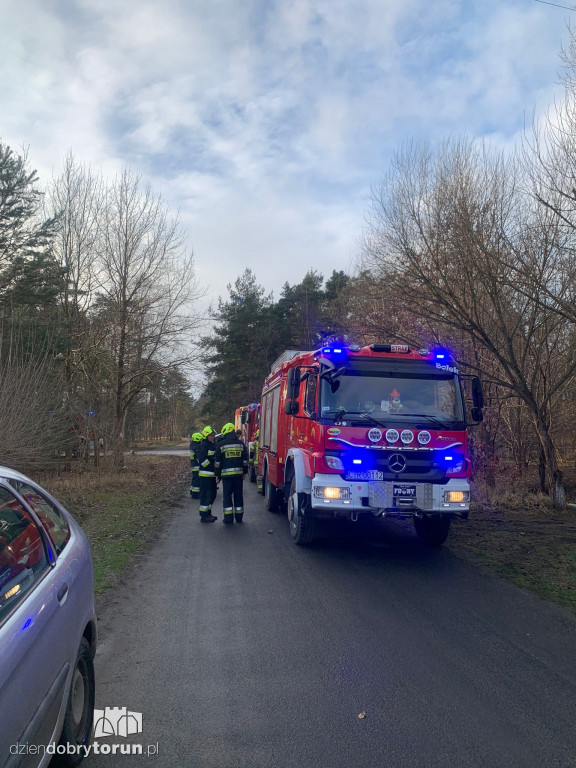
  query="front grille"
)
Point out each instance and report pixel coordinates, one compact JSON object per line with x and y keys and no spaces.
{"x":419,"y":465}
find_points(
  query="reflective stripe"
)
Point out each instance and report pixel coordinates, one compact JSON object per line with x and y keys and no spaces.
{"x":195,"y":467}
{"x":205,"y":473}
{"x":204,"y":509}
{"x":239,"y":509}
{"x":227,"y":472}
{"x":205,"y":463}
{"x":228,"y":509}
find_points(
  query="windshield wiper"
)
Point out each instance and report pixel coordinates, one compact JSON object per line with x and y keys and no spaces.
{"x":433,"y":419}
{"x":365,"y":414}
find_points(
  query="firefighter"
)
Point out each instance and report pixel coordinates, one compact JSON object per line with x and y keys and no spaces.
{"x":232,"y":466}
{"x":194,"y":465}
{"x":255,"y":461}
{"x":207,"y":475}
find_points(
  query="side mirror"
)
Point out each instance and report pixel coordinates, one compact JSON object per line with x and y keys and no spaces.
{"x":477,"y":414}
{"x":477,"y":393}
{"x":293,"y":386}
{"x":291,"y":407}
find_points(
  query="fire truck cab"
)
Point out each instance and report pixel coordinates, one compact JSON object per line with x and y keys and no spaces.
{"x":372,"y":431}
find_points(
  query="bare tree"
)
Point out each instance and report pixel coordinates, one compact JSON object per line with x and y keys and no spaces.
{"x":76,"y":198}
{"x":445,"y":226}
{"x":145,"y":305}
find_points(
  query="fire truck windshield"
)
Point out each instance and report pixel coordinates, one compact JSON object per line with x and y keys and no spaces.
{"x":395,"y":395}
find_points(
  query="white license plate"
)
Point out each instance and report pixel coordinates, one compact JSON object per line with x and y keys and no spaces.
{"x":371,"y":474}
{"x":404,"y":491}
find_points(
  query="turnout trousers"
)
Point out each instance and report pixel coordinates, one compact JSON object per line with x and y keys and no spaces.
{"x":207,"y":495}
{"x":195,"y":484}
{"x":233,"y":498}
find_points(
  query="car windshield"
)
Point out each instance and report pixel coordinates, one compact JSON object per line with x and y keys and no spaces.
{"x":393,"y":397}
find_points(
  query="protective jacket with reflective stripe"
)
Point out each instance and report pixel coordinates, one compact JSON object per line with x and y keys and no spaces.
{"x":194,"y":464}
{"x":205,"y":456}
{"x":231,"y":457}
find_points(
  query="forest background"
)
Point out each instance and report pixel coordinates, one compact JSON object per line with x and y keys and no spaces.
{"x":103,"y":342}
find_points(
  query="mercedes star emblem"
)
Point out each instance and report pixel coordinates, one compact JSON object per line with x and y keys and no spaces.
{"x":397,"y":463}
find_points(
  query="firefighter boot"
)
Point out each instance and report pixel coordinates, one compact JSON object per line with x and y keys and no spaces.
{"x":228,"y":518}
{"x":208,"y":518}
{"x":238,"y":516}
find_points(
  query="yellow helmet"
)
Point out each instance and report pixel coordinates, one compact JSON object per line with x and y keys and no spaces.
{"x":227,"y":428}
{"x":197,"y":437}
{"x":207,"y":431}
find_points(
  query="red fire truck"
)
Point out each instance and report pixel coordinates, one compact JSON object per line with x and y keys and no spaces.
{"x":372,"y":431}
{"x":246,"y":419}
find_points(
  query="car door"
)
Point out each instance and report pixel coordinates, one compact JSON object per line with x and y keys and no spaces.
{"x":35,"y":655}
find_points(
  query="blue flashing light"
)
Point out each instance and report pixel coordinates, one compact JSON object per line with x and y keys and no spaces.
{"x":356,"y":461}
{"x":441,"y":354}
{"x":336,"y":353}
{"x":91,"y":413}
{"x":448,"y":458}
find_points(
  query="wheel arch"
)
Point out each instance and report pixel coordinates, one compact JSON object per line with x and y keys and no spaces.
{"x":296,"y":467}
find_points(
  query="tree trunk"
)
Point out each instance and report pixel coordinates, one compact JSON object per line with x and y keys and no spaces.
{"x":542,"y":471}
{"x":554,"y":474}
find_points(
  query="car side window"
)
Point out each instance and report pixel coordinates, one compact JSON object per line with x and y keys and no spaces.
{"x":23,"y":559}
{"x":48,"y":513}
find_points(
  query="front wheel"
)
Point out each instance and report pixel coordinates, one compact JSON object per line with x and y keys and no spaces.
{"x":302,"y":528}
{"x":432,"y":530}
{"x":77,"y":727}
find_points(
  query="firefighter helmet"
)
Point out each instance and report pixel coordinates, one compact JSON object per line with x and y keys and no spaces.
{"x":227,"y":428}
{"x":197,"y":437}
{"x":207,"y":431}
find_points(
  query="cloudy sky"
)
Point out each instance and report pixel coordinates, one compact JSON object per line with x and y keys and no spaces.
{"x":264,"y":122}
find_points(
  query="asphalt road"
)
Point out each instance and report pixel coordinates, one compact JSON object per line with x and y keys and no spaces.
{"x":242,"y":650}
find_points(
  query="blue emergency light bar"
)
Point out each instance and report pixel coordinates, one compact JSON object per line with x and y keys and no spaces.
{"x":335,"y":353}
{"x":441,"y":354}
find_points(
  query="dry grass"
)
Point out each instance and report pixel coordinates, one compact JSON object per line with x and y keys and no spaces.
{"x":514,"y":532}
{"x":121,"y":512}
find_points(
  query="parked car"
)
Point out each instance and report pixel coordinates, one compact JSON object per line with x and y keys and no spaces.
{"x":47,"y":629}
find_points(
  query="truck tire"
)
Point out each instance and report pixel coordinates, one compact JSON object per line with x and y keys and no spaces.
{"x":302,"y":528}
{"x":432,"y":530}
{"x":271,"y":494}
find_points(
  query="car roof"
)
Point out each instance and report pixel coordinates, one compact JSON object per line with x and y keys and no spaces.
{"x":13,"y":474}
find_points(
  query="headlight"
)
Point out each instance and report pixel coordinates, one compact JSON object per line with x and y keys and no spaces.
{"x":456,"y":496}
{"x":328,"y":492}
{"x":334,"y":463}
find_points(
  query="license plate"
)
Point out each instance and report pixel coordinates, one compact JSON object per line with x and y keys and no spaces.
{"x":404,"y":491}
{"x":371,"y":474}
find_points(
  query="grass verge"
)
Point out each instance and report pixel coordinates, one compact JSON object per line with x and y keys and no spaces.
{"x":121,"y":512}
{"x":533,"y":547}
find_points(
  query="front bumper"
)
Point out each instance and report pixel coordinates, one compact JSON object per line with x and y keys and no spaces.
{"x":378,"y":497}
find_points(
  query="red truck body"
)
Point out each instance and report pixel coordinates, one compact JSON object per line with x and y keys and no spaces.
{"x":378,"y":430}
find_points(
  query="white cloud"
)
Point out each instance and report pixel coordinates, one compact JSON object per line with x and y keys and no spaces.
{"x":266,"y":121}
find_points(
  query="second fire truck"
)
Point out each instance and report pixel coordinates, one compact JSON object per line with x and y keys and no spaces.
{"x":246,"y":419}
{"x":372,"y":431}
